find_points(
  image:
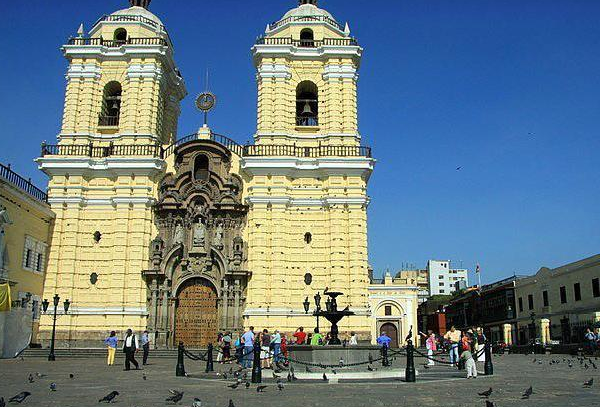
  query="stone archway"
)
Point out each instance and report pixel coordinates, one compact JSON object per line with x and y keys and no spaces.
{"x":196,"y":313}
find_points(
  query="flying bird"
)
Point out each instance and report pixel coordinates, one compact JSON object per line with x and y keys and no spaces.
{"x":52,"y":386}
{"x":458,"y":168}
{"x":486,"y":393}
{"x":19,"y":398}
{"x":589,"y":383}
{"x":109,"y":398}
{"x":261,"y":389}
{"x":528,"y":392}
{"x":176,"y":397}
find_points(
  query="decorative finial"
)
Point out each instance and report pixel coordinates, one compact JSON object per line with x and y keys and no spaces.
{"x":80,"y":31}
{"x":140,"y":3}
{"x":347,"y":30}
{"x":313,"y":2}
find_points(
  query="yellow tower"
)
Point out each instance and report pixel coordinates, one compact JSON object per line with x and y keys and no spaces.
{"x":306,"y":177}
{"x":121,"y":107}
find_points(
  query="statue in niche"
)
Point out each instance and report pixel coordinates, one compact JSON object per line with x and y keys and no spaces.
{"x":218,"y":241}
{"x":199,"y":234}
{"x":178,"y":235}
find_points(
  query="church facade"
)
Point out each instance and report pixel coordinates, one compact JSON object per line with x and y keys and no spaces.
{"x":189,"y":236}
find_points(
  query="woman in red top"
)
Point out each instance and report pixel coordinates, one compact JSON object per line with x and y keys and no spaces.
{"x":300,"y":336}
{"x":284,"y":350}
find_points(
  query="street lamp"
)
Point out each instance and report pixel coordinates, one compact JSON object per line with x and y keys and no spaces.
{"x":306,"y":304}
{"x":45,"y":305}
{"x":318,"y":307}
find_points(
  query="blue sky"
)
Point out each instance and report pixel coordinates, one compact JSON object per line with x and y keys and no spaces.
{"x":506,"y":90}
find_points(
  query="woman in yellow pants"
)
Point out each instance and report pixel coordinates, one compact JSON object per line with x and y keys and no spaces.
{"x":111,"y":342}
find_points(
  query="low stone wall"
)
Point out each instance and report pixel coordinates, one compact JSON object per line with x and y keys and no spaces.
{"x":331,"y":355}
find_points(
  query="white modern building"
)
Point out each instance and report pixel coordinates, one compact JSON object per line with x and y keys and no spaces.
{"x":443,"y":279}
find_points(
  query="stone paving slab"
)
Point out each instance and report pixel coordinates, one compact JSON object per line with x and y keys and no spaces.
{"x":554,"y":385}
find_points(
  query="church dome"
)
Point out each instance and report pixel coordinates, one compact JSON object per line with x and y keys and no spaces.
{"x":308,"y":9}
{"x":138,"y":11}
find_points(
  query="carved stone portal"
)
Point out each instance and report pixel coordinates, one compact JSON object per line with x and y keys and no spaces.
{"x":197,"y":273}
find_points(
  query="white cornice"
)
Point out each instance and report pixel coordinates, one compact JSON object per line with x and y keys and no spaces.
{"x":100,"y":136}
{"x":308,"y":167}
{"x":324,"y":52}
{"x":114,"y":201}
{"x":87,"y":71}
{"x":144,"y":71}
{"x":333,"y":71}
{"x":108,"y":311}
{"x":110,"y":166}
{"x":308,"y":136}
{"x":268,"y":71}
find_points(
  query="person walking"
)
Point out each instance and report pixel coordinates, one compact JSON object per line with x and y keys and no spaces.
{"x":248,"y":341}
{"x":453,"y":336}
{"x":300,"y":336}
{"x":590,"y":341}
{"x":226,"y":340}
{"x":130,"y":346}
{"x":145,"y":341}
{"x":239,"y":349}
{"x":431,"y":345}
{"x":481,"y":339}
{"x":276,"y":340}
{"x":111,"y":342}
{"x":265,"y":349}
{"x":353,"y":339}
{"x":470,"y":365}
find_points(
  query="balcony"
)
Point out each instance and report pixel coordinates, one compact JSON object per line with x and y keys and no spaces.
{"x":306,"y":19}
{"x":23,"y":184}
{"x":118,"y":43}
{"x":108,"y":121}
{"x":307,"y":43}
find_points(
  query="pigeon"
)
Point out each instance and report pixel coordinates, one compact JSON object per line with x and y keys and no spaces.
{"x":197,"y":402}
{"x":30,"y":378}
{"x":458,"y":168}
{"x":231,"y":403}
{"x":40,"y":375}
{"x":370,"y":368}
{"x":341,"y":362}
{"x":261,"y":389}
{"x":109,"y":397}
{"x":325,"y":377}
{"x":489,"y":403}
{"x":2,"y":402}
{"x":589,"y":383}
{"x":486,"y":393}
{"x":19,"y":398}
{"x":279,"y":385}
{"x":176,"y":396}
{"x":52,"y":386}
{"x":527,"y":393}
{"x":307,"y":369}
{"x":233,"y":386}
{"x":333,"y":371}
{"x":247,"y":385}
{"x":276,"y":376}
{"x":71,"y":376}
{"x":410,"y":334}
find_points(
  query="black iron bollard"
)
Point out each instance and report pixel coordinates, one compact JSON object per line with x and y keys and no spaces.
{"x":256,"y":370}
{"x":209,"y":359}
{"x":488,"y":366}
{"x":410,"y":374}
{"x":180,"y":369}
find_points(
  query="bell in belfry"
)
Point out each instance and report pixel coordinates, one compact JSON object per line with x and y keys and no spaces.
{"x":307,"y":109}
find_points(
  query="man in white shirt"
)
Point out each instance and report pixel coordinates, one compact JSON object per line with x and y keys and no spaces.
{"x":130,"y":346}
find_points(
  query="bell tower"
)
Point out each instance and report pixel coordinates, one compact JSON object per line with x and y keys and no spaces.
{"x":307,"y":67}
{"x":121,"y":108}
{"x":307,"y":174}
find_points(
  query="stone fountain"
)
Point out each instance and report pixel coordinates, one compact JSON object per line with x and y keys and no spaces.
{"x":333,"y":315}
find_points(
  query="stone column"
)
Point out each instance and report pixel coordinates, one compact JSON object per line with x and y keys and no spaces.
{"x":224,"y":303}
{"x":152,"y":308}
{"x":236,"y":305}
{"x":545,"y":330}
{"x":164,"y":312}
{"x":507,"y":334}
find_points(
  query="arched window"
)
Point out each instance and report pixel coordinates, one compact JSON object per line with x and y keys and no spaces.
{"x":201,"y":168}
{"x":120,"y":35}
{"x":307,"y":38}
{"x":111,"y":105}
{"x":307,"y":104}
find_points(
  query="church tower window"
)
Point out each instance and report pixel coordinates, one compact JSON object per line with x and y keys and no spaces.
{"x":201,"y":168}
{"x":307,"y":38}
{"x":307,"y":104}
{"x":111,"y":105}
{"x":120,"y":35}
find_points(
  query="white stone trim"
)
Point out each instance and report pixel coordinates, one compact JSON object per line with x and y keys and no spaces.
{"x":324,"y":52}
{"x":290,"y":201}
{"x":101,"y":136}
{"x":333,"y":71}
{"x":89,"y":71}
{"x":145,"y":71}
{"x":307,"y":136}
{"x":115,"y":166}
{"x":279,"y":71}
{"x":136,"y":311}
{"x":287,"y":312}
{"x":308,"y":167}
{"x":114,"y":201}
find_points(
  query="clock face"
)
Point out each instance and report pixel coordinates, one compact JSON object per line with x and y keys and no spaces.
{"x":205,"y":101}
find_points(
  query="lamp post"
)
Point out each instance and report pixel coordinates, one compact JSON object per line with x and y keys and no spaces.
{"x":306,"y":305}
{"x":45,"y":305}
{"x":318,"y":307}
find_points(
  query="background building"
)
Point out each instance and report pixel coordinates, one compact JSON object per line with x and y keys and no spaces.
{"x":421,"y":278}
{"x":393,"y":303}
{"x":559,"y":304}
{"x":443,"y":279}
{"x":26,"y":224}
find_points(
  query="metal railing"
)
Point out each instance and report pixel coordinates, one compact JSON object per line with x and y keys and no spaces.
{"x":130,"y":18}
{"x":306,"y":43}
{"x":108,"y":121}
{"x":89,"y":150}
{"x":118,"y":43}
{"x":306,"y":19}
{"x":24,"y":184}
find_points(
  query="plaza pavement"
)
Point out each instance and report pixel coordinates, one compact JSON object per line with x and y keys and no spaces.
{"x":553,"y":385}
